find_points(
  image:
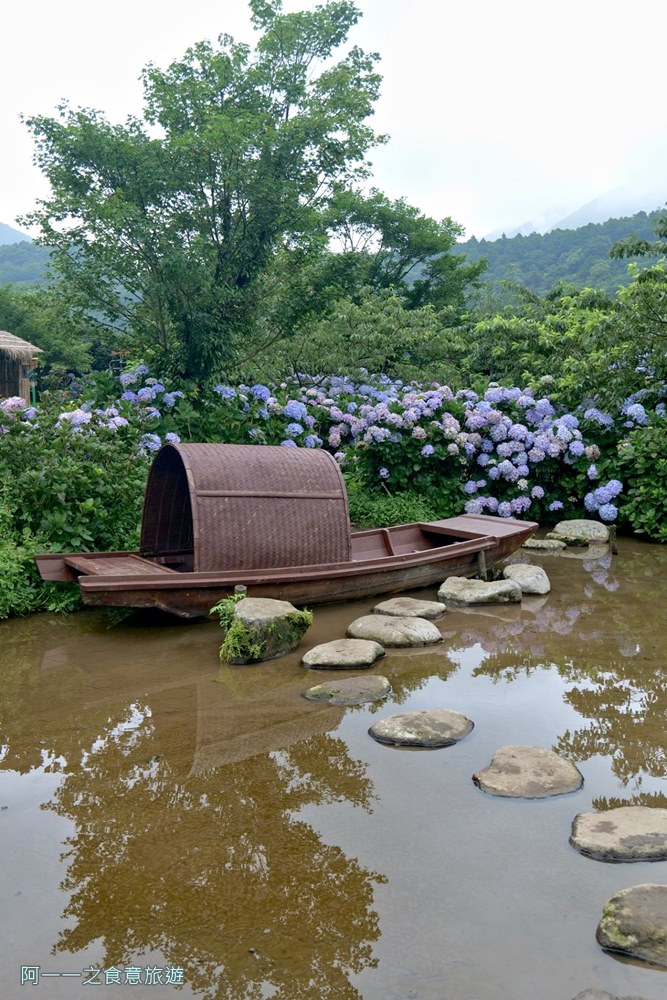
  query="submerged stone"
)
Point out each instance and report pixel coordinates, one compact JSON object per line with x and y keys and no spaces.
{"x":579,"y":531}
{"x":531,"y":579}
{"x":343,"y":654}
{"x":409,"y":607}
{"x":628,"y":833}
{"x":350,"y":690}
{"x":391,"y":631}
{"x":634,"y":922}
{"x":262,"y":629}
{"x":544,"y":544}
{"x":429,"y":730}
{"x":528,"y":773}
{"x":461,"y":590}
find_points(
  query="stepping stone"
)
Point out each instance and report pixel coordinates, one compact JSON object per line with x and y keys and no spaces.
{"x":395,"y":631}
{"x":628,"y":833}
{"x":350,"y":691}
{"x":262,"y":629}
{"x":409,"y":607}
{"x":460,"y":590}
{"x":429,"y":730}
{"x":579,"y":532}
{"x":528,"y":773}
{"x":544,"y":544}
{"x":343,"y":654}
{"x":602,"y":995}
{"x":531,"y":579}
{"x":634,"y":922}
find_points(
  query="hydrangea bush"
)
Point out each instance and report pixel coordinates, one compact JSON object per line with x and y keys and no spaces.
{"x":74,"y":468}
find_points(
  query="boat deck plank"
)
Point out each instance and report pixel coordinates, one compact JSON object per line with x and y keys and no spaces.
{"x":97,"y":564}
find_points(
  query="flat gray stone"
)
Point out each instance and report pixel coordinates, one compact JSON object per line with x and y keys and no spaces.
{"x":579,"y":531}
{"x":461,"y":590}
{"x":429,"y":730}
{"x":350,"y":690}
{"x":409,"y":607}
{"x":395,"y":631}
{"x":343,"y":654}
{"x":528,"y":773}
{"x":628,"y":833}
{"x":544,"y":544}
{"x":602,"y":995}
{"x":634,"y":922}
{"x":531,"y":579}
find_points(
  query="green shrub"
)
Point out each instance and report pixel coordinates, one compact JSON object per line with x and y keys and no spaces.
{"x":644,"y":461}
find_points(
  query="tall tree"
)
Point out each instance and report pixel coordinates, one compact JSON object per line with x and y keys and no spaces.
{"x":163,"y":227}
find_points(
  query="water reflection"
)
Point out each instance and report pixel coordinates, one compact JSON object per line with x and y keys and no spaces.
{"x":185,"y":836}
{"x":220,"y":820}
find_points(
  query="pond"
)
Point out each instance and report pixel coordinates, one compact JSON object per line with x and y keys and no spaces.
{"x":229,"y":839}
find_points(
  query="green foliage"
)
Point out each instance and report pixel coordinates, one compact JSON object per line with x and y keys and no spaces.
{"x":377,"y":332}
{"x":172,"y":221}
{"x":20,"y":587}
{"x":42,"y":317}
{"x":643,"y":458}
{"x":558,"y":343}
{"x":225,"y":609}
{"x":380,"y":509}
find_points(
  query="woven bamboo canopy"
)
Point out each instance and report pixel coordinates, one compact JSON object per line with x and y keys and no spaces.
{"x":230,"y":507}
{"x":17,"y":349}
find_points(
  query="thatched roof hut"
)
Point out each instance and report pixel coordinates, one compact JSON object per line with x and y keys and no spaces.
{"x":17,"y":359}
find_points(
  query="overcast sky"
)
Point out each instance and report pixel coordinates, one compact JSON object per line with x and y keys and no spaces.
{"x":499,"y":111}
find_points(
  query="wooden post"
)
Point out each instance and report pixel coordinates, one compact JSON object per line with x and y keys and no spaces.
{"x":612,"y":540}
{"x":481,"y":567}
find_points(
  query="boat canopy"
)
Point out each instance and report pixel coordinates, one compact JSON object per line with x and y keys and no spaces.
{"x":211,"y":507}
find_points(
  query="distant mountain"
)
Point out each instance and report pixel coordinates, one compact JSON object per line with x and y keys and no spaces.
{"x":576,"y":256}
{"x":23,"y":263}
{"x":620,"y":203}
{"x":10,"y":235}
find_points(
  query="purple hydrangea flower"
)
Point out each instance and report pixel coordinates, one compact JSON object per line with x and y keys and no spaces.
{"x":172,"y":438}
{"x":383,"y":473}
{"x":537,"y":492}
{"x":427,"y":450}
{"x":288,"y":443}
{"x":556,"y":505}
{"x":592,"y":472}
{"x":504,"y":509}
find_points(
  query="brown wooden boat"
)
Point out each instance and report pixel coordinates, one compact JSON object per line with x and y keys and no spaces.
{"x":276,"y":521}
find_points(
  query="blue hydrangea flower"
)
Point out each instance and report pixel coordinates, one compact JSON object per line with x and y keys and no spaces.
{"x":172,"y":438}
{"x":576,"y":448}
{"x":225,"y":391}
{"x":556,"y":505}
{"x":383,"y":473}
{"x":427,"y":450}
{"x":537,"y":492}
{"x":608,"y":512}
{"x":261,"y":392}
{"x":504,"y":509}
{"x":293,"y":430}
{"x":295,"y":410}
{"x":592,"y":472}
{"x":127,"y":378}
{"x":312,"y":441}
{"x":288,"y":444}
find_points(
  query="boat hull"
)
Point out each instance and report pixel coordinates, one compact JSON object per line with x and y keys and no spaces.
{"x":393,"y":560}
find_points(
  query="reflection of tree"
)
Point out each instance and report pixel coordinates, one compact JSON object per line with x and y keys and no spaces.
{"x":628,"y":707}
{"x":655,"y":800}
{"x":215,"y":872}
{"x":600,"y":631}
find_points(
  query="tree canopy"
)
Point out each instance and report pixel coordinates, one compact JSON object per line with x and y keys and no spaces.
{"x":163,"y":226}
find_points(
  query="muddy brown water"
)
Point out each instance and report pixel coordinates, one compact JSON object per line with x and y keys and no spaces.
{"x":158,"y":812}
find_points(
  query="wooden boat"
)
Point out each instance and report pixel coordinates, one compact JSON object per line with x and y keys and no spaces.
{"x":276,"y":521}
